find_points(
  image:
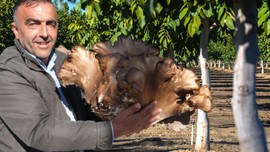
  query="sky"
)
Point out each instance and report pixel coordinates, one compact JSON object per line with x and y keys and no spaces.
{"x":71,"y":5}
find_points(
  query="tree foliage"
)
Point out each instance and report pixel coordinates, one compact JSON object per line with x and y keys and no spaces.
{"x":264,"y":47}
{"x":65,"y":19}
{"x":264,"y":18}
{"x":172,"y":26}
{"x":6,"y":36}
{"x":264,"y":30}
{"x":159,"y":25}
{"x":222,"y":49}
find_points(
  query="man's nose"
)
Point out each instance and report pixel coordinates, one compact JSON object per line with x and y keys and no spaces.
{"x":43,"y":31}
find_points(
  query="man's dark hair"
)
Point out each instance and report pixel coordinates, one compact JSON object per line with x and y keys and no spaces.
{"x":27,"y":3}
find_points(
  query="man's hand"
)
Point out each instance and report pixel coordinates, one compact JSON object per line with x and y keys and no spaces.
{"x":135,"y":118}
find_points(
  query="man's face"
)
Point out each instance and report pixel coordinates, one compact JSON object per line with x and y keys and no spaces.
{"x":36,"y":28}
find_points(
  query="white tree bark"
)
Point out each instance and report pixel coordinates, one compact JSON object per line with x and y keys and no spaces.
{"x":262,"y":66}
{"x":203,"y":135}
{"x":250,"y":131}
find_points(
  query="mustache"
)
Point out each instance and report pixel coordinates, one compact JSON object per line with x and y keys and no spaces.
{"x":43,"y":40}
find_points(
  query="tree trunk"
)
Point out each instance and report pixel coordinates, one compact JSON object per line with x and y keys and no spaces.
{"x":249,"y":128}
{"x":262,"y":66}
{"x":203,"y":136}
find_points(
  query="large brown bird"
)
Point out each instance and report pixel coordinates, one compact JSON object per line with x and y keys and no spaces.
{"x":115,"y":76}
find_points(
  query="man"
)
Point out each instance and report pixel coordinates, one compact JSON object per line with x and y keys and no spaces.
{"x":36,"y":113}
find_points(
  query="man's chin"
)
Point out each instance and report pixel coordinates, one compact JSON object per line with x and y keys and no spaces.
{"x":44,"y":56}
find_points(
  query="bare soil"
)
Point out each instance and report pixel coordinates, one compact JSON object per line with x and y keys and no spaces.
{"x":223,"y":136}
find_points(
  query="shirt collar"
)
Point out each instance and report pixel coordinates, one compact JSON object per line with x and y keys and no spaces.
{"x":51,"y":63}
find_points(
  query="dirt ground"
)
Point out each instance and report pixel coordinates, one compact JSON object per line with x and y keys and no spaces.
{"x":223,"y":138}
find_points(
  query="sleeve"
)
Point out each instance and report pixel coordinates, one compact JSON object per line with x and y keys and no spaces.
{"x":27,"y":116}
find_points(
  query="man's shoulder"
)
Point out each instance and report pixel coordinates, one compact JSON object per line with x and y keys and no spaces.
{"x":8,"y":54}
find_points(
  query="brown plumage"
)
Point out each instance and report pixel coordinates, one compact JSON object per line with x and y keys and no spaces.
{"x":115,"y":76}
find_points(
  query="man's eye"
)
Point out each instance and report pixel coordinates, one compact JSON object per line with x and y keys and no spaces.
{"x":52,"y":24}
{"x":33,"y":24}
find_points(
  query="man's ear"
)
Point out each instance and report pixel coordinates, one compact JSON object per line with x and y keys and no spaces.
{"x":15,"y":30}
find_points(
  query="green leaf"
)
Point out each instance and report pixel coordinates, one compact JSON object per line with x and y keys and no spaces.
{"x":223,"y":20}
{"x":142,"y":2}
{"x":161,"y":36}
{"x":220,"y":12}
{"x":124,"y":31}
{"x":115,"y":36}
{"x":71,"y":26}
{"x":208,"y":12}
{"x":262,"y":10}
{"x":201,"y":14}
{"x":146,"y":36}
{"x":174,"y":24}
{"x":263,"y":18}
{"x":197,"y":20}
{"x":89,"y":11}
{"x":183,"y":13}
{"x":158,"y":8}
{"x":267,"y":27}
{"x":187,"y":20}
{"x":229,"y":23}
{"x":191,"y":30}
{"x":133,"y":6}
{"x":78,"y":6}
{"x":97,"y":8}
{"x":140,"y":16}
{"x":161,"y":52}
{"x":164,"y":43}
